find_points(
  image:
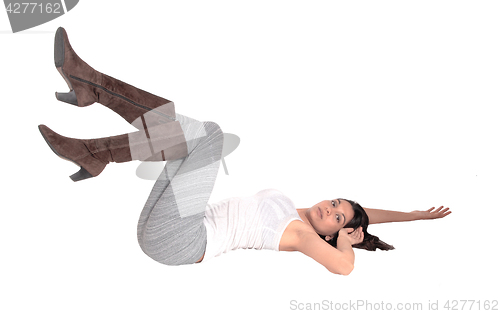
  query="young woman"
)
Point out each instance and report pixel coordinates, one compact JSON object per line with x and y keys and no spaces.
{"x":176,"y":225}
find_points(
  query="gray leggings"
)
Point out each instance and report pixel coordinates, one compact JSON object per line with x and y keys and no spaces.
{"x":170,"y":228}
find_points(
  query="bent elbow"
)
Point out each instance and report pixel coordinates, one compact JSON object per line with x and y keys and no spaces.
{"x":348,"y":269}
{"x":345,"y":269}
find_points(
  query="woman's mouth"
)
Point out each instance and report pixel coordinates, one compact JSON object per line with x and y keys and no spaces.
{"x":320,"y":213}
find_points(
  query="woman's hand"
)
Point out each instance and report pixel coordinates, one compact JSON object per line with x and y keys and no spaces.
{"x":354,"y":236}
{"x":431,"y":213}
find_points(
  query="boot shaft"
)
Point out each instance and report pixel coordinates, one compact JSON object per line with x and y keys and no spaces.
{"x":88,"y":86}
{"x":159,"y":143}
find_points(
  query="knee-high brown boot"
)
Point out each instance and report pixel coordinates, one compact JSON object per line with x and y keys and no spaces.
{"x":93,"y":155}
{"x":88,"y":86}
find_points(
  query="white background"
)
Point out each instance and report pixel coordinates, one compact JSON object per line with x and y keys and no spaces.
{"x":389,"y":103}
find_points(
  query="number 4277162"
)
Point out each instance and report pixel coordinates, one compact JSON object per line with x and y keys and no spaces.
{"x":471,"y":305}
{"x":31,"y":8}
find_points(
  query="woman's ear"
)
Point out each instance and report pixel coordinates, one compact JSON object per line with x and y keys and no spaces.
{"x":328,"y":238}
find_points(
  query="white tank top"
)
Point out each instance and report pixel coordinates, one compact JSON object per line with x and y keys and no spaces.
{"x":254,"y":222}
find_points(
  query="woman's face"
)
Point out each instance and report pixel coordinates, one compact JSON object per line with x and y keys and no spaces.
{"x":328,"y":217}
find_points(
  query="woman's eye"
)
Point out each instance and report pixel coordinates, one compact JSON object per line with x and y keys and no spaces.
{"x":338,"y":218}
{"x":333,"y":203}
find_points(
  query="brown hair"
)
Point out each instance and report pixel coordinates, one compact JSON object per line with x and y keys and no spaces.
{"x":370,"y":242}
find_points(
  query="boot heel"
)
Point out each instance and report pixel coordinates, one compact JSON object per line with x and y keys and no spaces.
{"x":69,"y":98}
{"x":80,"y":175}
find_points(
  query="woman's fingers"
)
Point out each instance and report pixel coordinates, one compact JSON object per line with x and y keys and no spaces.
{"x":358,"y":232}
{"x":357,"y":236}
{"x":446,"y":212}
{"x":443,"y":212}
{"x":439,"y":209}
{"x":432,"y":213}
{"x":439,"y":212}
{"x":431,"y":210}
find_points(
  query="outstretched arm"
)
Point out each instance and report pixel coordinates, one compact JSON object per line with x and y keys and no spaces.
{"x":377,"y":216}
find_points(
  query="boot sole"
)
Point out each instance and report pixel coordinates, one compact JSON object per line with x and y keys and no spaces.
{"x":59,"y":53}
{"x":59,"y":48}
{"x":77,"y":176}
